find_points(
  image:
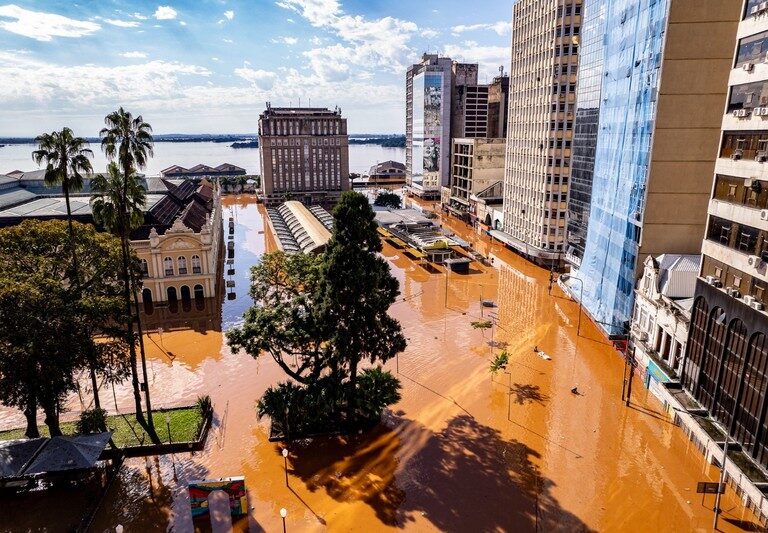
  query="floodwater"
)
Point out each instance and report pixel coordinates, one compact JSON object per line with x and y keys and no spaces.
{"x":187,"y":154}
{"x":462,"y":451}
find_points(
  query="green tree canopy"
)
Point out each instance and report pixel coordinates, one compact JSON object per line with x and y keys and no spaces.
{"x":51,"y":329}
{"x":388,"y":199}
{"x":320,"y":317}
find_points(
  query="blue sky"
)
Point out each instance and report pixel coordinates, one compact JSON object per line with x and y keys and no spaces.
{"x":209,"y":66}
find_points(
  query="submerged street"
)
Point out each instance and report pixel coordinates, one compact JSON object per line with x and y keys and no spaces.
{"x":462,"y":450}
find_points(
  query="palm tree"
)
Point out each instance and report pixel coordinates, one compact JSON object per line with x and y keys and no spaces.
{"x":66,"y":159}
{"x":127,"y":142}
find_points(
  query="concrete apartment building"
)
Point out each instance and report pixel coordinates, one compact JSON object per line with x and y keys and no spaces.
{"x":726,"y":365}
{"x":545,"y":58}
{"x":476,"y":164}
{"x":304,"y":154}
{"x":652,"y":81}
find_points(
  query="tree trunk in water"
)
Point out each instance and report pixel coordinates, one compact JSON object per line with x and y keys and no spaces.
{"x":150,"y":421}
{"x":95,"y":386}
{"x":30,"y":413}
{"x":50,"y":406}
{"x":131,"y":344}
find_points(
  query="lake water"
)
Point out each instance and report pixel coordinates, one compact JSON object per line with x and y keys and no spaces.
{"x":361,"y":156}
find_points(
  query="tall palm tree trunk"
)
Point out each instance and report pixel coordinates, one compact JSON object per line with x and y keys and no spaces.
{"x":75,"y":267}
{"x":131,"y":344}
{"x":147,"y":399}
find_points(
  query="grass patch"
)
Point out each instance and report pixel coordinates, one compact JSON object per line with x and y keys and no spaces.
{"x":184,"y":425}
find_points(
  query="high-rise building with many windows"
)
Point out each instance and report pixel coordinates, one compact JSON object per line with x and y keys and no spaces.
{"x":651,"y":86}
{"x":542,"y":80}
{"x":443,"y":100}
{"x":304,"y":154}
{"x":726,"y":363}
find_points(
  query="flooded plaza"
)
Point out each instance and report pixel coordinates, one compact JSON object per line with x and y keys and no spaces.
{"x":462,"y":450}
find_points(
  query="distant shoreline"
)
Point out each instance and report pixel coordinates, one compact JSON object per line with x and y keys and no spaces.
{"x":244,"y":139}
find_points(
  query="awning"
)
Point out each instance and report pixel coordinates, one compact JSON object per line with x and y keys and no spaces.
{"x":15,"y":454}
{"x":521,"y":246}
{"x":42,"y":456}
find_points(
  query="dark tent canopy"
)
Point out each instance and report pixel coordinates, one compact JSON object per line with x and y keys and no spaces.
{"x":46,"y":456}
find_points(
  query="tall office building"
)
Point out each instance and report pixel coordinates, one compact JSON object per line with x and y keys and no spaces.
{"x":304,"y":154}
{"x":726,"y":364}
{"x":541,"y":99}
{"x":651,"y":86}
{"x":441,"y":102}
{"x":498,"y":106}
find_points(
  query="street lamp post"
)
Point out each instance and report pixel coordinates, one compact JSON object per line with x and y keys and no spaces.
{"x":283,"y":514}
{"x":566,"y":277}
{"x":509,"y":395}
{"x":168,"y":426}
{"x":285,"y":459}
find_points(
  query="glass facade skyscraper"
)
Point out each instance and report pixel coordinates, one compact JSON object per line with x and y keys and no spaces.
{"x":585,"y":128}
{"x":628,"y":62}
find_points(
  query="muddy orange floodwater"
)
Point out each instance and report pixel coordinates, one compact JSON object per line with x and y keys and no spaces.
{"x":462,"y":451}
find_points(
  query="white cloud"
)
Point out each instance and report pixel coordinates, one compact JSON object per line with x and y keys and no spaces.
{"x":42,"y":26}
{"x":88,"y":84}
{"x":139,"y":16}
{"x":134,"y":55}
{"x":317,"y":12}
{"x":182,"y":23}
{"x":429,"y":33}
{"x":215,"y":59}
{"x":122,"y":23}
{"x":290,"y":41}
{"x":316,"y":41}
{"x":180,"y":97}
{"x":228,"y":41}
{"x":291,"y":21}
{"x":165,"y":13}
{"x":501,"y":27}
{"x":229,"y":15}
{"x":382,"y":42}
{"x":261,"y":79}
{"x":489,"y":58}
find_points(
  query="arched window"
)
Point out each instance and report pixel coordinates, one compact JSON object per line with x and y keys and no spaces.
{"x":168,"y":266}
{"x":182,"y":262}
{"x":199,"y":292}
{"x":172,"y":295}
{"x":717,"y":327}
{"x":146,"y":298}
{"x":144,"y":268}
{"x":196,"y":268}
{"x":699,"y":319}
{"x":730,"y":375}
{"x":185,"y":294}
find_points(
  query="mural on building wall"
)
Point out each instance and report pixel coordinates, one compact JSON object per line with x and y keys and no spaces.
{"x":233,"y":486}
{"x":433,"y":105}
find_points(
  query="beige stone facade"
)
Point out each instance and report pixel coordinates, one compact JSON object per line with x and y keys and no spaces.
{"x":182,"y":263}
{"x":304,"y":155}
{"x":540,"y":128}
{"x":476,"y":164}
